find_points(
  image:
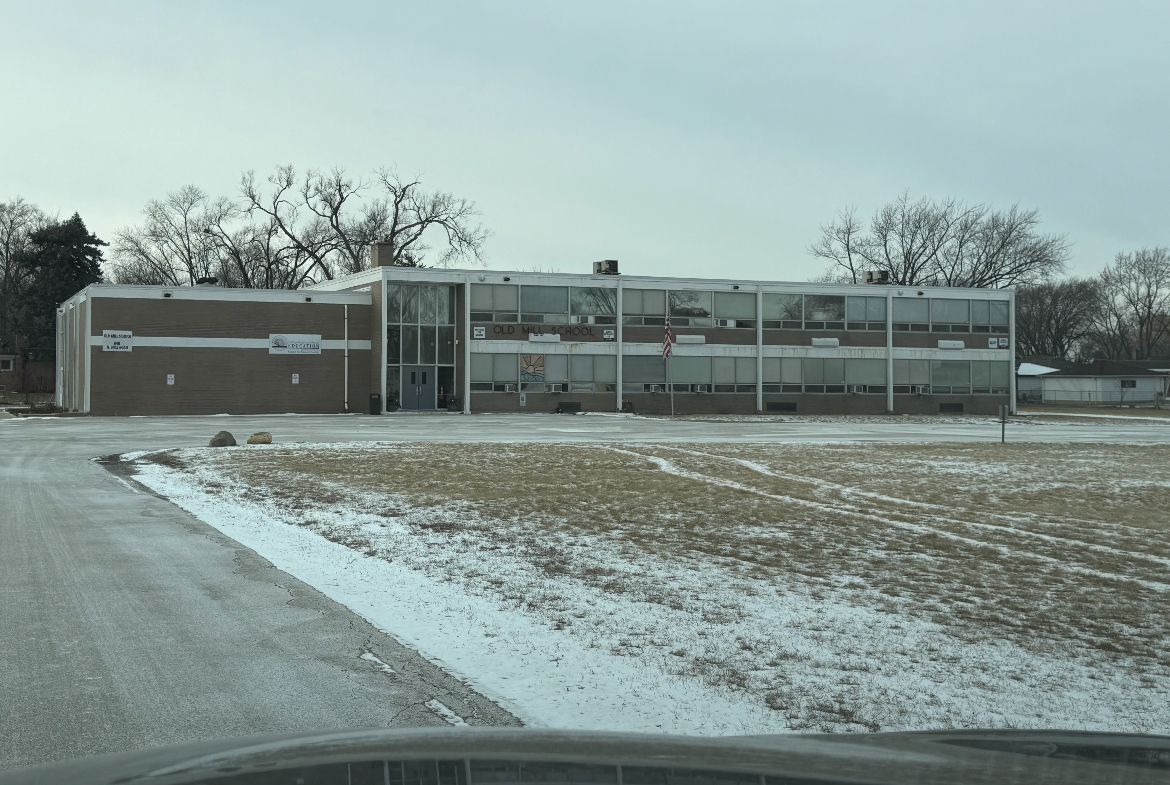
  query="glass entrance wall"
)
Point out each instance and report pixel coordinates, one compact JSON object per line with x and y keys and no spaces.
{"x":420,"y":330}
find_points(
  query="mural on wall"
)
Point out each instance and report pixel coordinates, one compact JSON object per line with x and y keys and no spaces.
{"x":532,"y":367}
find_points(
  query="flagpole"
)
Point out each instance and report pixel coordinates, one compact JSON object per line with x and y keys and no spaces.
{"x":670,"y":383}
{"x":667,"y":352}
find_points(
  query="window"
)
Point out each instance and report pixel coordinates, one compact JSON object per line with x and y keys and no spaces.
{"x":1129,"y":384}
{"x":643,"y":306}
{"x":823,"y":375}
{"x":950,"y":316}
{"x":5,"y":365}
{"x":783,"y":311}
{"x":690,"y":309}
{"x":544,"y":304}
{"x":865,"y":313}
{"x":592,"y":373}
{"x":593,"y":305}
{"x":824,"y":312}
{"x":911,"y":315}
{"x":782,"y":374}
{"x":911,"y":376}
{"x":643,"y":373}
{"x":496,"y":372}
{"x":735,"y":309}
{"x":864,"y":375}
{"x":990,"y":377}
{"x":494,"y":302}
{"x":950,"y":376}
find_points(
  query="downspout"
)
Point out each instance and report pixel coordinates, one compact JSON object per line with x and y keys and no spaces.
{"x":382,"y":331}
{"x":1012,"y":345}
{"x":346,"y":335}
{"x":60,"y":361}
{"x":88,"y":351}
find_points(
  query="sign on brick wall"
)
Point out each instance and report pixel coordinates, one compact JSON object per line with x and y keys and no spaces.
{"x":294,"y":344}
{"x":117,"y":341}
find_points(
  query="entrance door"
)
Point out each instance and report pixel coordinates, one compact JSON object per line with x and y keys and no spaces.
{"x":418,"y":387}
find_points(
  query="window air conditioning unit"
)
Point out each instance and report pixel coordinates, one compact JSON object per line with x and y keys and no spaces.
{"x":556,"y":388}
{"x":656,"y":388}
{"x":702,"y":388}
{"x":581,"y":320}
{"x":877,"y":276}
{"x":605,"y":267}
{"x":509,"y":388}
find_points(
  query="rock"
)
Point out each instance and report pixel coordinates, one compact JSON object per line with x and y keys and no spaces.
{"x":222,"y":439}
{"x":260,"y":437}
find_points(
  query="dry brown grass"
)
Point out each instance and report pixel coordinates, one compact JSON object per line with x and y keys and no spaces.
{"x":1036,"y":544}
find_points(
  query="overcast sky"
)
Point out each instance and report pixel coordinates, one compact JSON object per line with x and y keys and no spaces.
{"x":681,"y":138}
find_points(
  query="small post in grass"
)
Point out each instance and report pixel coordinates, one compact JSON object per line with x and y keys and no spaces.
{"x":1003,"y":415}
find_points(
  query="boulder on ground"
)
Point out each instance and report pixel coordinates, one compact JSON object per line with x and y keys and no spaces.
{"x":260,"y":437}
{"x":222,"y":439}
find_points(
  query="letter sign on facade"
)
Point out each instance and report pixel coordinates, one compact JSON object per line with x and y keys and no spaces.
{"x":117,"y":341}
{"x":294,"y":344}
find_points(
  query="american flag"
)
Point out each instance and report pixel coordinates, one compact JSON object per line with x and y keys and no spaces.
{"x":667,"y":339}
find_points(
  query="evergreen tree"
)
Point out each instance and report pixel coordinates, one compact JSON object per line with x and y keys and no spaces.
{"x":60,"y":260}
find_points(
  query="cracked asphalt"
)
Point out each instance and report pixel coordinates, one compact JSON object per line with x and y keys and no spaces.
{"x":127,"y":623}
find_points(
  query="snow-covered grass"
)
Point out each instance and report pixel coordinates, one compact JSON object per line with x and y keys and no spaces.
{"x":735,"y":588}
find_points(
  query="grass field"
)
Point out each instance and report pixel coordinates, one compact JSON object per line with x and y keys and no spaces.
{"x":825,"y":587}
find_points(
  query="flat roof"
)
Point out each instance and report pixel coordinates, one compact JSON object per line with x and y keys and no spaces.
{"x":152,"y":292}
{"x":463,"y":275}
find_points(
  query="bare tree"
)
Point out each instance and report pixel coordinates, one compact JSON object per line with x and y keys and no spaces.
{"x":412,"y":214}
{"x":1136,"y":303}
{"x":172,"y":245}
{"x":1056,"y":319}
{"x":942,"y":243}
{"x":18,"y":220}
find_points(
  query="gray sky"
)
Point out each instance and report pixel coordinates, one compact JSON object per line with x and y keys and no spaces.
{"x":681,"y":138}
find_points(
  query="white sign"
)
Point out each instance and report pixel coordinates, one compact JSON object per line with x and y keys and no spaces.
{"x":117,"y":341}
{"x":523,"y":399}
{"x":607,"y":335}
{"x":296,"y":378}
{"x":479,"y":332}
{"x":992,"y":343}
{"x":170,"y":378}
{"x":1003,"y":343}
{"x":294,"y":344}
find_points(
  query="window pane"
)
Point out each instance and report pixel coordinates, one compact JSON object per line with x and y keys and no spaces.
{"x":393,"y":345}
{"x":913,"y":311}
{"x":999,"y":311}
{"x":392,"y":377}
{"x":481,"y":297}
{"x":980,"y":312}
{"x":428,"y":296}
{"x":855,"y":309}
{"x":787,"y":307}
{"x":950,"y":311}
{"x":605,"y":369}
{"x":631,"y":301}
{"x":427,"y":344}
{"x":901,"y":372}
{"x":504,"y":368}
{"x":393,"y":304}
{"x":875,"y":309}
{"x":581,"y":368}
{"x":790,"y":370}
{"x":980,"y":373}
{"x":919,"y":371}
{"x":1000,"y":373}
{"x":824,"y":308}
{"x":771,"y":370}
{"x":735,"y":305}
{"x":690,"y":370}
{"x":745,"y":370}
{"x":544,"y":299}
{"x":643,"y":369}
{"x":409,"y":345}
{"x":446,"y":346}
{"x":834,"y":370}
{"x":593,"y":301}
{"x":814,"y":370}
{"x":723,"y":370}
{"x":505,"y":297}
{"x":653,"y":302}
{"x":481,"y":367}
{"x":532,"y":368}
{"x":444,"y":305}
{"x":865,"y":371}
{"x":556,"y":368}
{"x":409,"y":304}
{"x":950,"y":372}
{"x":690,"y":304}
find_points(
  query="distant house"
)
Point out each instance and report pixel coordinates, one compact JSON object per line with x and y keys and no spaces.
{"x":1103,"y":382}
{"x":10,"y":375}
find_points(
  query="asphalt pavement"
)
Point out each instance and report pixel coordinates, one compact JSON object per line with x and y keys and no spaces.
{"x":127,"y":623}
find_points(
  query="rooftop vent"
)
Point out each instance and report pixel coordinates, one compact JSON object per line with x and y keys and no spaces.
{"x":605,"y":267}
{"x":208,"y":281}
{"x":877,"y":276}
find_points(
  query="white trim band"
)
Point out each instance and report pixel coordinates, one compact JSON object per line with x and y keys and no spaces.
{"x":171,"y":342}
